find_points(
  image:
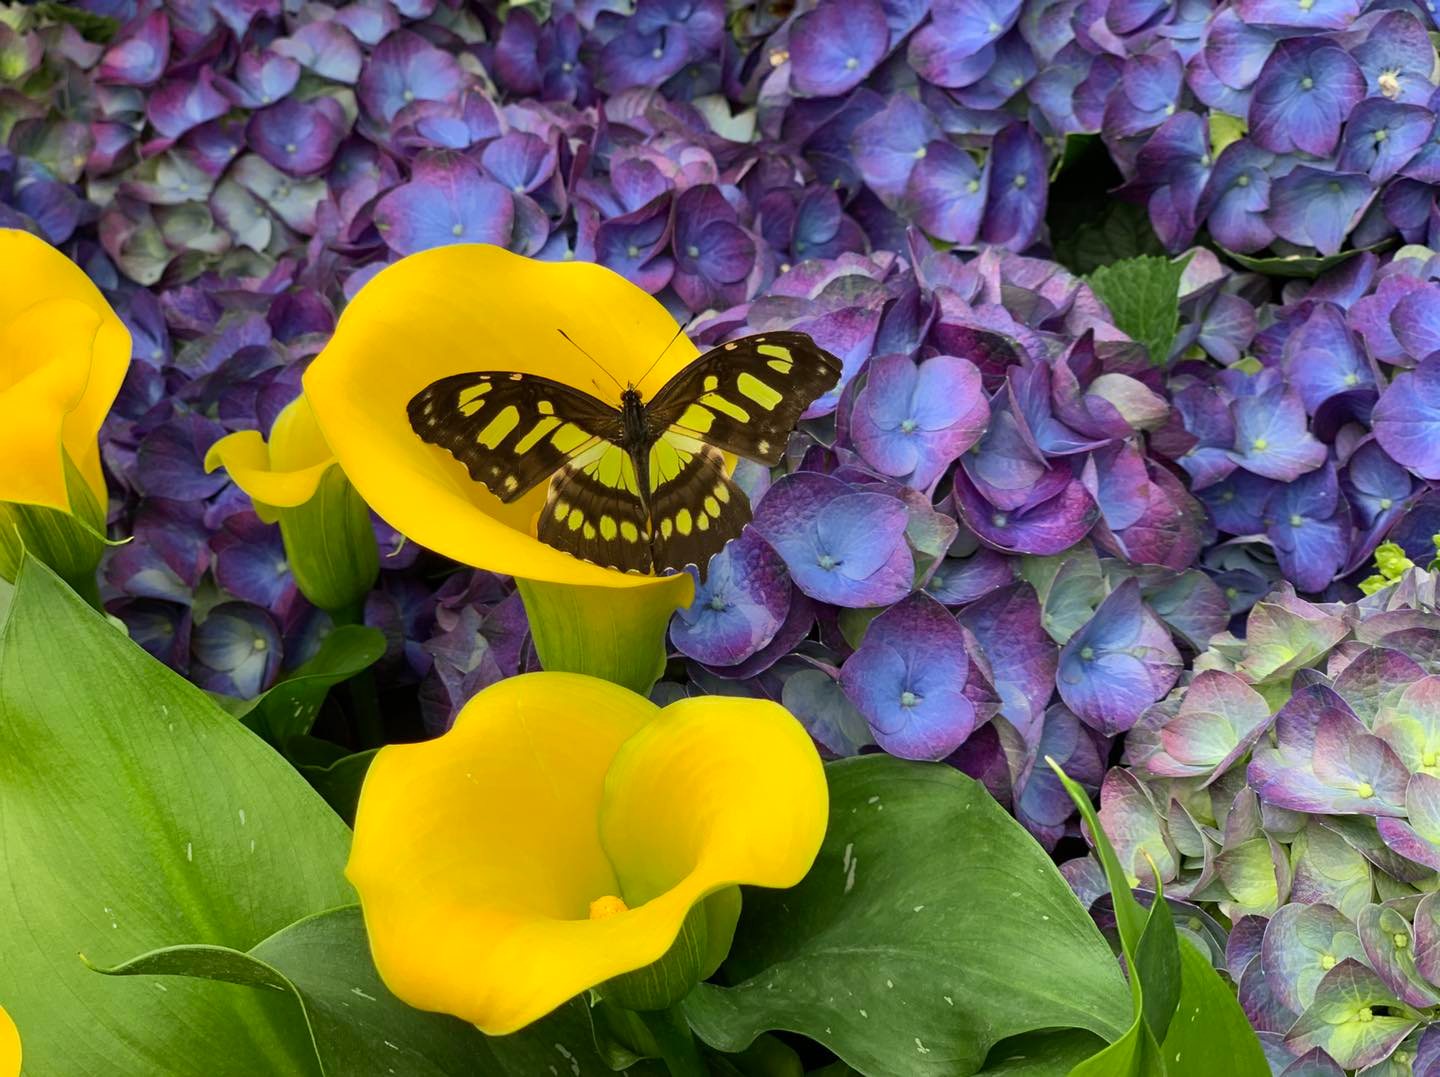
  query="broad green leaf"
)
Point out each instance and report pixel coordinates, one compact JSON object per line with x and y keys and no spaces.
{"x":931,"y":927}
{"x":135,"y":814}
{"x":1301,"y":266}
{"x":1041,"y":1054}
{"x":1157,"y":961}
{"x":1133,"y":1055}
{"x":357,"y":1028}
{"x":1143,"y":295}
{"x":1209,"y":1024}
{"x":339,"y":781}
{"x":289,"y":709}
{"x":1115,"y":231}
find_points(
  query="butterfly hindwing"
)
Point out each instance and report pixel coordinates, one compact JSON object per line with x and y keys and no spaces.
{"x":745,"y":396}
{"x":694,"y":507}
{"x":510,"y":430}
{"x":595,"y":510}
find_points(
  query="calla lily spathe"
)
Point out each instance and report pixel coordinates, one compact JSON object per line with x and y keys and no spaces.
{"x":63,"y":355}
{"x":475,"y":307}
{"x":489,"y":861}
{"x":9,"y":1046}
{"x":282,"y":473}
{"x":295,"y":480}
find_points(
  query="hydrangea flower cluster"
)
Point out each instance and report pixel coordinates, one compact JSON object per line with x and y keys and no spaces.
{"x":1298,"y":128}
{"x":972,"y":521}
{"x":1289,"y":785}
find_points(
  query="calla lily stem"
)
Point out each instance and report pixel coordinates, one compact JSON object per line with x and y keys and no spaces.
{"x":678,"y":1048}
{"x":364,"y":697}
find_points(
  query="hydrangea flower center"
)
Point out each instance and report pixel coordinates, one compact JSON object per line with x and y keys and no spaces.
{"x":851,"y":64}
{"x":1389,"y":82}
{"x":1087,"y":653}
{"x":826,"y":562}
{"x":1243,"y":180}
{"x":1365,"y":1015}
{"x":1307,"y":83}
{"x":907,"y":426}
{"x":1385,"y":502}
{"x":1327,"y":961}
{"x":1364,"y":790}
{"x":1259,"y":444}
{"x":259,"y":644}
{"x":1296,"y":519}
{"x":908,"y":699}
{"x":1400,"y":939}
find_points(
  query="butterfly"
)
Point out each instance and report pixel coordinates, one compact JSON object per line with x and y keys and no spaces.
{"x":643,"y":487}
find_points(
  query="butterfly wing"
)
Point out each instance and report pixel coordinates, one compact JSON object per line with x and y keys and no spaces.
{"x":596,"y":510}
{"x":694,"y":507}
{"x":510,"y":430}
{"x":745,"y":396}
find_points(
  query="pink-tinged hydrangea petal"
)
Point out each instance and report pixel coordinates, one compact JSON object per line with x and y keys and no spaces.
{"x":520,"y":161}
{"x":1136,"y":828}
{"x":714,"y":256}
{"x":849,"y":335}
{"x":841,"y":546}
{"x":1220,"y":718}
{"x":1007,"y":623}
{"x":446,"y":201}
{"x":325,"y":47}
{"x":1272,"y":437}
{"x":1170,"y":531}
{"x":1390,"y":948}
{"x":181,"y":104}
{"x":1237,"y":196}
{"x":298,"y":137}
{"x":1417,"y":838}
{"x":633,"y":245}
{"x":1043,"y":529}
{"x":406,"y":68}
{"x":1007,"y":467}
{"x":1039,"y":395}
{"x":912,"y":421}
{"x":1314,"y":207}
{"x":1297,"y":940}
{"x":1375,"y":681}
{"x":1407,"y":419}
{"x":908,"y":679}
{"x":1325,"y":761}
{"x":1118,"y":664}
{"x":1370,"y":317}
{"x":1410,"y":724}
{"x":1149,"y":93}
{"x":1303,"y":95}
{"x":140,"y":53}
{"x":739,"y":607}
{"x":1267,"y":1014}
{"x":1323,"y":358}
{"x":834,"y":46}
{"x":944,"y":61}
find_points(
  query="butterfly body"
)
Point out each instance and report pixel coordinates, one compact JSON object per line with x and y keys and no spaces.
{"x":643,"y":487}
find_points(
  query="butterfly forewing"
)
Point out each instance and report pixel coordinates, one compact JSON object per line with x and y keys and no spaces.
{"x":510,"y":430}
{"x":745,"y":397}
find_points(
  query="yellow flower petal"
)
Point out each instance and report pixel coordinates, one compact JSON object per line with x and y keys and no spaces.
{"x":471,"y":307}
{"x":63,"y":355}
{"x":479,"y":856}
{"x":715,"y":791}
{"x":476,"y":855}
{"x":9,"y":1046}
{"x":282,"y":473}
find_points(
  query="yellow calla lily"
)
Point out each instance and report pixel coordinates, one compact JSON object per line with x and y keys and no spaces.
{"x":475,"y":307}
{"x":294,"y":480}
{"x":284,"y":472}
{"x":63,"y":355}
{"x":561,"y":833}
{"x":9,"y":1046}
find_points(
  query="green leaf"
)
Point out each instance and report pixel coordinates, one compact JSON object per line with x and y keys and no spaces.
{"x":1209,"y":1024}
{"x":339,"y":781}
{"x":1110,"y":231}
{"x":356,"y":1027}
{"x":1224,"y":129}
{"x":134,"y":814}
{"x":1180,"y":999}
{"x":1304,"y":267}
{"x":931,"y":927}
{"x":289,"y":709}
{"x":1041,"y":1054}
{"x":92,"y":27}
{"x":1143,"y":295}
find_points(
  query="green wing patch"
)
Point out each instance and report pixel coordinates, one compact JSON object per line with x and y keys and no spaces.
{"x":745,"y":396}
{"x":510,"y":430}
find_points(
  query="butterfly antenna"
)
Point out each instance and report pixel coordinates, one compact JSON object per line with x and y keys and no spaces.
{"x":597,"y":362}
{"x":641,"y":379}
